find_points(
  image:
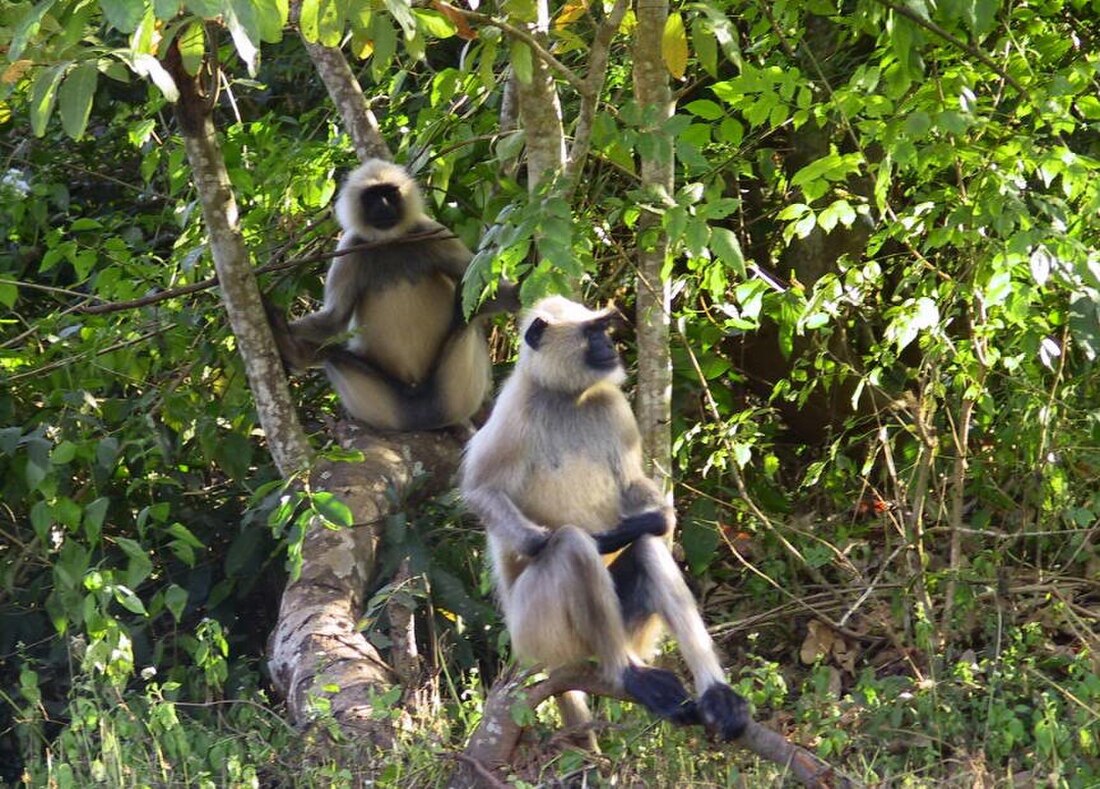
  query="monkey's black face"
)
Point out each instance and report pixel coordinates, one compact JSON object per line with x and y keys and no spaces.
{"x":600,"y":353}
{"x":382,"y":206}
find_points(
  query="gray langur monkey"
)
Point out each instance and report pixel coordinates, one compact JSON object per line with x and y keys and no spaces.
{"x":391,"y":333}
{"x":556,"y":477}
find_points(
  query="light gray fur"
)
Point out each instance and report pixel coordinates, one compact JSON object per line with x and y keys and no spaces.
{"x":393,"y":306}
{"x":561,"y":454}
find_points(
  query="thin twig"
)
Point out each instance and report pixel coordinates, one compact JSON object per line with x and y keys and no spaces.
{"x":267,"y":268}
{"x":579,"y":85}
{"x":970,"y":49}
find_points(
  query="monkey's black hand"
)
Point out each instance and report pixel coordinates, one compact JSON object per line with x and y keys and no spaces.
{"x":631,"y":528}
{"x":660,"y":692}
{"x":724,"y":713}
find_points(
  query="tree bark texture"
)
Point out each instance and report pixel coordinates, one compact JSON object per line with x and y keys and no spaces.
{"x":653,"y":404}
{"x":346,"y":93}
{"x":540,"y":113}
{"x":240,"y":293}
{"x":317,"y":650}
{"x":494,"y":743}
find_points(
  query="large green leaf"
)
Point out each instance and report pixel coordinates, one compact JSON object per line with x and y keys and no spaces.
{"x":192,"y":47}
{"x":44,"y":96}
{"x":75,"y":97}
{"x":27,"y":29}
{"x":124,"y":15}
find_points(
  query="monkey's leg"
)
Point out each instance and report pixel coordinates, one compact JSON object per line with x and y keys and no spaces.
{"x":376,"y":398}
{"x":463,"y":374}
{"x":573,"y":706}
{"x":563,"y":609}
{"x":648,"y":582}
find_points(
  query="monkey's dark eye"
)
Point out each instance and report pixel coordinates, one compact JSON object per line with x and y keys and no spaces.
{"x":382,"y":205}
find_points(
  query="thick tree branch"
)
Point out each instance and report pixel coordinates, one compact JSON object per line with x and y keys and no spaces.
{"x":346,"y":93}
{"x":497,"y":736}
{"x":317,"y":650}
{"x":240,"y":293}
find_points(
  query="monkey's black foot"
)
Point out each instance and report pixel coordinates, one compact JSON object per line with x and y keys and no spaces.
{"x":724,"y":713}
{"x":660,"y":692}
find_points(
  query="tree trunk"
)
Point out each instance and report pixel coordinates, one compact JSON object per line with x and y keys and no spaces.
{"x":346,"y":93}
{"x":317,"y":650}
{"x":240,"y":294}
{"x":652,"y":403}
{"x":540,"y":112}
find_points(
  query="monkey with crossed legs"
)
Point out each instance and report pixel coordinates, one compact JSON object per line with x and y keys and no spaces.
{"x":391,"y":333}
{"x":555,"y":475}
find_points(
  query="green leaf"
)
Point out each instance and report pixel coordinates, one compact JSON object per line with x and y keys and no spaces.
{"x":705,"y":109}
{"x":27,"y":29}
{"x":521,"y":62}
{"x":385,"y":45}
{"x":240,"y":18}
{"x":181,"y":532}
{"x":43,"y":96}
{"x":166,"y":9}
{"x":724,"y":32}
{"x":402,"y":12}
{"x":94,"y":514}
{"x":192,"y":44}
{"x":175,"y":599}
{"x":271,"y":15}
{"x":331,"y":510}
{"x":330,"y":23}
{"x":917,"y":124}
{"x":140,"y":565}
{"x":63,"y":453}
{"x":434,"y":23}
{"x":705,"y":45}
{"x":208,"y":9}
{"x":75,"y":97}
{"x":8,"y":294}
{"x":699,"y":541}
{"x":309,"y":20}
{"x":840,"y":211}
{"x":148,"y":66}
{"x":128,"y":600}
{"x":123,"y":15}
{"x":724,"y":243}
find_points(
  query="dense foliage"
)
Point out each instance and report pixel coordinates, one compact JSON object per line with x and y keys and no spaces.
{"x":885,"y":262}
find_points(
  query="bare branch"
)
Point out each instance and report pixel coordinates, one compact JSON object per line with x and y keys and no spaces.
{"x":497,"y":736}
{"x":597,"y":73}
{"x":267,"y":268}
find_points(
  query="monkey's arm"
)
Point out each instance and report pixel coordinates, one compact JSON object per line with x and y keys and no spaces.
{"x":649,"y":514}
{"x":631,"y":528}
{"x":506,"y":299}
{"x":505,"y":522}
{"x":341,"y":294}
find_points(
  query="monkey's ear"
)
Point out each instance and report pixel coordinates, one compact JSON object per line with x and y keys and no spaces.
{"x":533,"y":335}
